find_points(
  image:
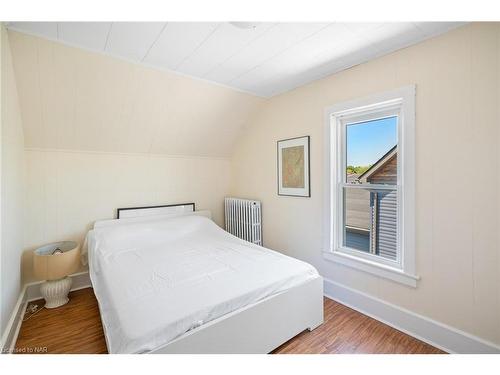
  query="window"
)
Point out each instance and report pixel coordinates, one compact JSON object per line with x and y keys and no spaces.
{"x":370,"y":192}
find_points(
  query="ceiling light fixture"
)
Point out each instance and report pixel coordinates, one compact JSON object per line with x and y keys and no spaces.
{"x":245,"y":25}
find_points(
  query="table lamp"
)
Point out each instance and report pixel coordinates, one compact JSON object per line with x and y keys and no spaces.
{"x":53,"y":263}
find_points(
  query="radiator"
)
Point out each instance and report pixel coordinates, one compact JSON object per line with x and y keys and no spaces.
{"x":243,"y":219}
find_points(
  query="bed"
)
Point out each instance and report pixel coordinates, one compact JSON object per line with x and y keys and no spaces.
{"x":171,"y":281}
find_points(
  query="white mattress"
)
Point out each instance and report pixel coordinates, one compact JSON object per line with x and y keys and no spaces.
{"x":157,"y":279}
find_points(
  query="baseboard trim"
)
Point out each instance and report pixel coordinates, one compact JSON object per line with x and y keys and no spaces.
{"x":425,"y":329}
{"x":14,"y":325}
{"x":437,"y":334}
{"x":31,"y":292}
{"x":80,"y":280}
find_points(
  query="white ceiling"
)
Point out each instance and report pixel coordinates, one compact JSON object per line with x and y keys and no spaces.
{"x":267,"y":60}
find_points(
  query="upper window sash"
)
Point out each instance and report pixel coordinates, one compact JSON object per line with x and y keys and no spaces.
{"x":343,"y":123}
{"x":358,"y":115}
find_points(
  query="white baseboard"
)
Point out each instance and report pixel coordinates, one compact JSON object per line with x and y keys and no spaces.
{"x":31,"y":292}
{"x":425,"y":329}
{"x":9,"y":337}
{"x":80,"y":280}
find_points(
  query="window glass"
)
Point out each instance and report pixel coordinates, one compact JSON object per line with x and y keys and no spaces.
{"x":370,"y":213}
{"x":370,"y":221}
{"x":366,"y":145}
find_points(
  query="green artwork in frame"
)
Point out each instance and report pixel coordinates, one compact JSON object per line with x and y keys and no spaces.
{"x":293,"y":167}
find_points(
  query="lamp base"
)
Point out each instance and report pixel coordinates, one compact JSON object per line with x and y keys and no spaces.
{"x":56,"y":292}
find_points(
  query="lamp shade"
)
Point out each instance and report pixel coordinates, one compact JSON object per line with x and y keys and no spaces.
{"x":56,"y":260}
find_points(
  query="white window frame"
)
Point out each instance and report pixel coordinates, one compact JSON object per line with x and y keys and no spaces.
{"x":400,"y":102}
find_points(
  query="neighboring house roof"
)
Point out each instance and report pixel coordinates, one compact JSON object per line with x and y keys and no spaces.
{"x":353,"y":177}
{"x":379,"y":164}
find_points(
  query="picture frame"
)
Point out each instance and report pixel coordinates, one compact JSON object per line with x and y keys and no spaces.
{"x":293,"y":164}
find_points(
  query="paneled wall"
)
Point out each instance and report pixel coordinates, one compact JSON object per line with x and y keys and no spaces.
{"x":12,"y":187}
{"x":103,"y":133}
{"x":73,"y":99}
{"x":457,"y":175}
{"x":67,"y":191}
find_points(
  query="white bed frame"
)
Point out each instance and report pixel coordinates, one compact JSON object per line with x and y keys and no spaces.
{"x":257,"y":328}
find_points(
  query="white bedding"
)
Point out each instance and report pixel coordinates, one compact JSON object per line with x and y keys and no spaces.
{"x":159,"y":278}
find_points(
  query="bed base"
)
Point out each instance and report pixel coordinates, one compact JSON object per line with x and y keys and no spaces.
{"x":258,"y":328}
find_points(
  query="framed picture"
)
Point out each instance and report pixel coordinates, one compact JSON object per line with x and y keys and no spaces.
{"x":293,"y":167}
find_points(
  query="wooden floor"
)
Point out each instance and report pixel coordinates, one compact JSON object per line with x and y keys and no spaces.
{"x":76,"y":328}
{"x":73,"y":328}
{"x":346,"y":331}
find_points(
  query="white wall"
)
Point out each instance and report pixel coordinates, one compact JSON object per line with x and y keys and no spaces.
{"x":103,"y":133}
{"x":67,"y":191}
{"x":12,"y":187}
{"x":457,"y":175}
{"x":74,"y":99}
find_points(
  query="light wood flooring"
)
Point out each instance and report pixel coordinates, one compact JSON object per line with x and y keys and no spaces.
{"x":76,"y":328}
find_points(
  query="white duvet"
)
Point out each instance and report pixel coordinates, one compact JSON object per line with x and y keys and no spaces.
{"x":157,"y":279}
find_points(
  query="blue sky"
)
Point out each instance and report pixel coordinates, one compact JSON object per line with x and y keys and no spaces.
{"x":368,"y":141}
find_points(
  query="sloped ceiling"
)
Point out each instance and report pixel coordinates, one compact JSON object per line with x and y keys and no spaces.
{"x":264,"y":59}
{"x":74,"y":99}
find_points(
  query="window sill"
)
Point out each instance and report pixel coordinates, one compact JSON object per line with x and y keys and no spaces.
{"x":371,"y":267}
